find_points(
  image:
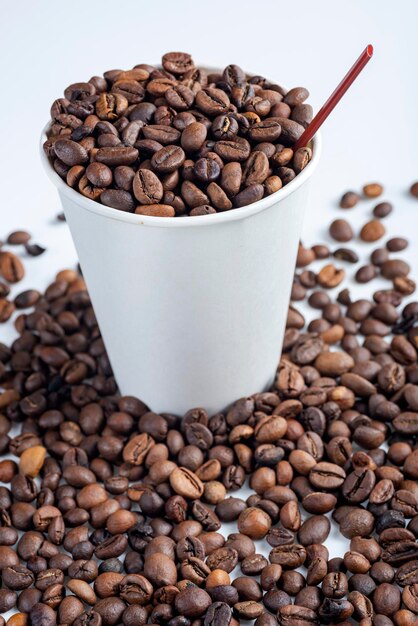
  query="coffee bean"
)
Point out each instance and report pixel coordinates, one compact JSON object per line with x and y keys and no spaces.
{"x":372,"y":190}
{"x":383,"y":209}
{"x":288,"y":556}
{"x":34,"y":249}
{"x":206,"y":170}
{"x":192,"y":602}
{"x":340,"y":230}
{"x":345,"y":254}
{"x":254,"y":523}
{"x":193,"y":137}
{"x":330,"y":276}
{"x":168,"y":159}
{"x":27,"y":299}
{"x":218,"y":614}
{"x":237,"y":149}
{"x":18,"y":237}
{"x":365,"y":274}
{"x":117,"y":155}
{"x":256,"y":169}
{"x":70,"y":152}
{"x":266,"y":130}
{"x":414,"y":190}
{"x":250,"y":194}
{"x":326,"y":476}
{"x":349,"y":200}
{"x":185,"y":483}
{"x":372,"y":231}
{"x":11,"y":267}
{"x":212,"y":101}
{"x":396,"y":244}
{"x":117,"y":199}
{"x":147,"y":187}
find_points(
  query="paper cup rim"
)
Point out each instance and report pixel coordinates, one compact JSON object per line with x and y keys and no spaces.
{"x":180,"y":222}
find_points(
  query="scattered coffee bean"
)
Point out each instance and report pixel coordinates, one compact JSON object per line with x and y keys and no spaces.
{"x":372,"y":231}
{"x":414,"y":190}
{"x":396,"y":244}
{"x":18,"y":237}
{"x":365,"y":274}
{"x":372,"y":190}
{"x":345,"y":254}
{"x":340,"y":230}
{"x":34,"y":249}
{"x":383,"y":209}
{"x":349,"y":200}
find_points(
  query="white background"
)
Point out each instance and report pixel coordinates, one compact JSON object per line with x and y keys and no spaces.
{"x":44,"y":46}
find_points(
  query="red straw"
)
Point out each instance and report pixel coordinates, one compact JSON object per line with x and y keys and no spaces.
{"x":334,"y":98}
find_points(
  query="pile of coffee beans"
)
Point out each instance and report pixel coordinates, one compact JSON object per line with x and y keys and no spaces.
{"x":111,"y":514}
{"x":178,"y":140}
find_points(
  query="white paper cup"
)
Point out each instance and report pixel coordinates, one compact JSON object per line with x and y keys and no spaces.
{"x":192,"y":310}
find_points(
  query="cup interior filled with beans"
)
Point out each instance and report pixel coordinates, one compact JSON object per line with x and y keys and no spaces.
{"x":176,"y":140}
{"x":131,"y":152}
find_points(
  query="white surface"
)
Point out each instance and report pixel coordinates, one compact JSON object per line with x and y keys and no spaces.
{"x":371,"y":136}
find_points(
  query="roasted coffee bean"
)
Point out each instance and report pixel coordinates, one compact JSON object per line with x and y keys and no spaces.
{"x":340,"y":230}
{"x":147,"y":187}
{"x":345,"y":254}
{"x":326,"y":476}
{"x":349,"y":200}
{"x":185,"y":483}
{"x":70,"y":152}
{"x":117,"y":155}
{"x":288,"y":556}
{"x":192,"y":602}
{"x":11,"y":267}
{"x":194,"y":136}
{"x":365,"y":274}
{"x":218,"y":614}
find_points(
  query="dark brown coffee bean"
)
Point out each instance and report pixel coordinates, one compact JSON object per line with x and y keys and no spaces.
{"x":99,"y":175}
{"x":193,"y":137}
{"x":70,"y":152}
{"x":288,"y":556}
{"x":340,"y":230}
{"x":147,"y":187}
{"x":168,"y":159}
{"x":34,"y":249}
{"x":383,"y":209}
{"x":18,"y":237}
{"x":192,"y":602}
{"x":349,"y":200}
{"x":206,"y":170}
{"x":212,"y":101}
{"x":326,"y":476}
{"x":345,"y":254}
{"x":237,"y":149}
{"x":365,"y":274}
{"x":250,"y":194}
{"x":291,"y":131}
{"x":225,"y":558}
